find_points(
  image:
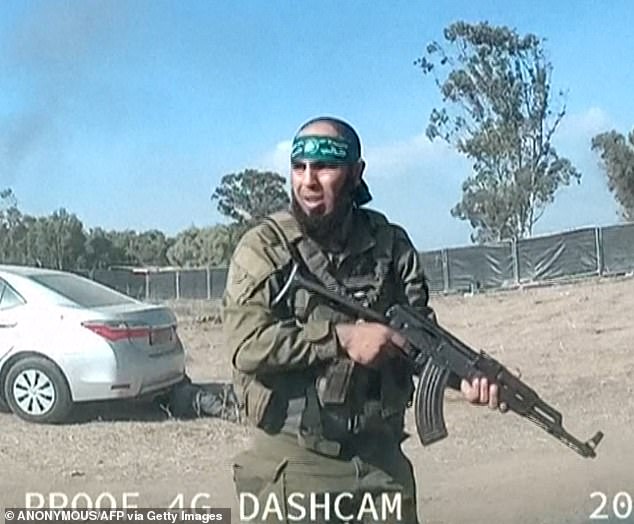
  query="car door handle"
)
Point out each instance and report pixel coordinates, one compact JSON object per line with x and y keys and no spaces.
{"x":8,"y":325}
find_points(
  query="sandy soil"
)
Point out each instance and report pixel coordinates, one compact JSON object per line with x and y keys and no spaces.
{"x":573,"y":343}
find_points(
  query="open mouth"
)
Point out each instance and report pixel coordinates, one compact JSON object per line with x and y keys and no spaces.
{"x":313,"y":201}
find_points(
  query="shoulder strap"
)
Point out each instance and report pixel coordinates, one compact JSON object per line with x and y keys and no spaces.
{"x":283,"y":223}
{"x":279,"y":222}
{"x":286,"y":221}
{"x":296,"y":258}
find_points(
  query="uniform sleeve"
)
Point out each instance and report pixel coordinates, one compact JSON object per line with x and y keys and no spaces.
{"x":410,"y":272}
{"x":260,"y":340}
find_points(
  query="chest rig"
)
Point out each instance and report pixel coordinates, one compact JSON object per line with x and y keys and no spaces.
{"x":343,"y":401}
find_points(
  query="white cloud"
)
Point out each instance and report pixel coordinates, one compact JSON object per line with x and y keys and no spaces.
{"x":573,"y":139}
{"x":414,"y":154}
{"x":417,"y":154}
{"x":277,"y":159}
{"x":584,"y":125}
{"x":590,"y":202}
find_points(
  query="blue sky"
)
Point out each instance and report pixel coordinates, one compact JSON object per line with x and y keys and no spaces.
{"x":129,"y":113}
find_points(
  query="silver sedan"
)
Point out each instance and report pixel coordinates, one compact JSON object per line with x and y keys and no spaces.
{"x":66,"y":339}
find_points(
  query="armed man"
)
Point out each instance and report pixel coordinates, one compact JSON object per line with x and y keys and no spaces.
{"x":327,"y":393}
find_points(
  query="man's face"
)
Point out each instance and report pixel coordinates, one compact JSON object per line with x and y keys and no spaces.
{"x":319,"y":187}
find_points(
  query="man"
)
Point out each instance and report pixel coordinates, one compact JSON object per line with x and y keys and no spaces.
{"x":326,"y":392}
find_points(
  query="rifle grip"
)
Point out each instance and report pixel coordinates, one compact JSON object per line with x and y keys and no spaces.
{"x":429,"y":403}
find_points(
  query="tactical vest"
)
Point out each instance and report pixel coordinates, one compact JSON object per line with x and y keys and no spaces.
{"x":330,"y":405}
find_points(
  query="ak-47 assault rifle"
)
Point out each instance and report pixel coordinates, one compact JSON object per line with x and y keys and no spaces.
{"x":435,"y":353}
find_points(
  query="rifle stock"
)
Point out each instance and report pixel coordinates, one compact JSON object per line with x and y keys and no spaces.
{"x":435,"y":354}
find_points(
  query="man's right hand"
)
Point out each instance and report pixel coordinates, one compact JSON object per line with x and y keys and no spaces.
{"x":366,"y":342}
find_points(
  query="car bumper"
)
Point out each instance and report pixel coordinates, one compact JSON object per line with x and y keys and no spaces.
{"x":124,"y":374}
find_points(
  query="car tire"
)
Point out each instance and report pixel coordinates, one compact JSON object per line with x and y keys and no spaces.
{"x":4,"y":408}
{"x":36,"y":391}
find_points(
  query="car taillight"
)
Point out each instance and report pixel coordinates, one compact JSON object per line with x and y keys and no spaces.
{"x":119,"y":331}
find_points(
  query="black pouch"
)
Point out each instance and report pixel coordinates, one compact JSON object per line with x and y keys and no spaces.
{"x":333,"y":384}
{"x":258,"y":403}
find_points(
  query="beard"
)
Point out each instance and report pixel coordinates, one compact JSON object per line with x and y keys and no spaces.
{"x":325,"y":229}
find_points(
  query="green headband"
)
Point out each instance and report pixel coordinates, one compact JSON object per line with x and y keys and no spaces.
{"x":324,"y":149}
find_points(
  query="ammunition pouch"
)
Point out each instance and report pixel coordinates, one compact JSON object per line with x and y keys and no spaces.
{"x":257,"y":403}
{"x":268,"y":402}
{"x":343,"y":427}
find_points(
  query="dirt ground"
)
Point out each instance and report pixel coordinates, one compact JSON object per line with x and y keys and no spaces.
{"x":573,"y":343}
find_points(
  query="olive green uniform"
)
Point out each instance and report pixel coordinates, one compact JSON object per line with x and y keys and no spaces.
{"x":324,"y":423}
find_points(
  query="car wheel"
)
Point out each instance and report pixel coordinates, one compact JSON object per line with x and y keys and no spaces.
{"x":36,"y":391}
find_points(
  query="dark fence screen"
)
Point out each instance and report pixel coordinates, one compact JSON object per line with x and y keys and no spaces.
{"x":558,"y":256}
{"x":477,"y":267}
{"x":434,"y":266}
{"x":617,"y":248}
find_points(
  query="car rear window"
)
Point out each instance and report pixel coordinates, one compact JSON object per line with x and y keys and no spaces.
{"x":81,"y":291}
{"x":8,"y":297}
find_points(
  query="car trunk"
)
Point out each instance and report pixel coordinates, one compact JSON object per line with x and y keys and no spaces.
{"x":149,"y":327}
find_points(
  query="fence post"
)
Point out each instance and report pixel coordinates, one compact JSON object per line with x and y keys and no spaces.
{"x":208,"y":283}
{"x":445,"y":269}
{"x":177,"y":277}
{"x":147,"y":286}
{"x":598,"y":242}
{"x":516,"y":261}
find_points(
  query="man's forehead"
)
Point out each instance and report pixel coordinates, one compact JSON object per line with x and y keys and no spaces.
{"x":320,"y":128}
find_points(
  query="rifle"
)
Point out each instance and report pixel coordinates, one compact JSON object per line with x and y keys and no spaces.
{"x":435,"y":354}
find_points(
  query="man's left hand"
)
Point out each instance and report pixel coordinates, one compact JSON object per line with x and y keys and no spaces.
{"x":480,"y":392}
